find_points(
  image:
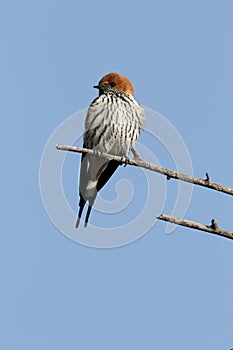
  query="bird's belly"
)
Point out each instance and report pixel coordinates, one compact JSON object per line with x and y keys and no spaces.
{"x":113,"y":131}
{"x":115,"y":141}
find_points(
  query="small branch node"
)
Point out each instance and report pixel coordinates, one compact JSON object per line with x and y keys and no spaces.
{"x":214,"y":225}
{"x":207,"y":177}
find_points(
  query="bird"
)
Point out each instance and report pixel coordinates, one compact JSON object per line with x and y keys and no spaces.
{"x":113,"y":124}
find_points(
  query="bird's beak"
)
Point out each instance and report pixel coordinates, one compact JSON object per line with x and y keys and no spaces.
{"x":96,"y":86}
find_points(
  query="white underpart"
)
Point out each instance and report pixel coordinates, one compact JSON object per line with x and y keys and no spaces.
{"x":112,"y":126}
{"x":91,"y":184}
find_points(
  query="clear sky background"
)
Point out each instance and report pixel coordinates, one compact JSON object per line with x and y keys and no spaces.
{"x":162,"y":291}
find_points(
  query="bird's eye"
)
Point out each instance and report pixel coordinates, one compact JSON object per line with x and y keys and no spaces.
{"x":112,"y":84}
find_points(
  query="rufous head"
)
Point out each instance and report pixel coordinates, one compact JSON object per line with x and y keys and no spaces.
{"x":115,"y":82}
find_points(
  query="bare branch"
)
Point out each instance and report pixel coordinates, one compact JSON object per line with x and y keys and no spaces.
{"x":153,"y":167}
{"x":213,"y":228}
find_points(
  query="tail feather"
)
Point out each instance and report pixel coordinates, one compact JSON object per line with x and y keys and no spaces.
{"x":102,"y":180}
{"x":87,"y":215}
{"x":81,"y":207}
{"x":82,"y":203}
{"x":107,"y":173}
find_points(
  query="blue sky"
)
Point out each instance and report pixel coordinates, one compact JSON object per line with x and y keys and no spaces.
{"x":163,"y":290}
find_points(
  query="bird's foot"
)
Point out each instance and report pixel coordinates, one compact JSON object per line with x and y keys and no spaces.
{"x":125,"y":160}
{"x":97,"y":153}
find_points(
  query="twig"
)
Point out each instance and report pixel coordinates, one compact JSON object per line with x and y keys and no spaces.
{"x":213,"y":228}
{"x":153,"y":167}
